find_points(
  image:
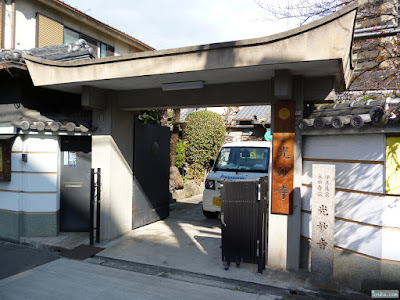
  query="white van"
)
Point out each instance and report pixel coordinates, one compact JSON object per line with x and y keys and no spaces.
{"x":240,"y":160}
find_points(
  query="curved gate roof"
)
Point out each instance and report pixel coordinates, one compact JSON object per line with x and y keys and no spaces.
{"x":317,"y":50}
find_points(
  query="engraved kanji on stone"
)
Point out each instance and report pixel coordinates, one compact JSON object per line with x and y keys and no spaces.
{"x":322,"y":244}
{"x":282,"y":192}
{"x":322,"y":226}
{"x":323,"y":209}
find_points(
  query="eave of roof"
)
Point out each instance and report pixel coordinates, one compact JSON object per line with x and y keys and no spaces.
{"x":59,"y":5}
{"x":318,"y":49}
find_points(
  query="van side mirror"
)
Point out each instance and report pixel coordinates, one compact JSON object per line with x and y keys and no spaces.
{"x":211,"y":162}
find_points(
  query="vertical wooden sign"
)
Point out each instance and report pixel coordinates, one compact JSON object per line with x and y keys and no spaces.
{"x":283,"y":158}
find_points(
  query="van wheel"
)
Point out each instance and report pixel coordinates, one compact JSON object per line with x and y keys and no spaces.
{"x":210,"y":214}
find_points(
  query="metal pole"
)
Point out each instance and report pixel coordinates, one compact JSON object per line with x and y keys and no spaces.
{"x":375,"y":28}
{"x":377,"y":34}
{"x":91,"y":229}
{"x":98,"y":190}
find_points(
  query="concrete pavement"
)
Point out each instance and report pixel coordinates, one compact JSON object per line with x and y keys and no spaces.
{"x":189,"y":242}
{"x":70,"y":279}
{"x":185,"y":248}
{"x":15,"y":258}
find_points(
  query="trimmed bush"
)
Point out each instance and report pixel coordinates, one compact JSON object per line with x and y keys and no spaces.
{"x":205,"y":134}
{"x":180,"y":157}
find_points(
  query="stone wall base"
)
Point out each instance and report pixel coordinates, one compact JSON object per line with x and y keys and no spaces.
{"x":357,"y":271}
{"x":14,"y":225}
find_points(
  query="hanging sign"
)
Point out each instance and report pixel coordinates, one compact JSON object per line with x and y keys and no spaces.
{"x":283,"y":158}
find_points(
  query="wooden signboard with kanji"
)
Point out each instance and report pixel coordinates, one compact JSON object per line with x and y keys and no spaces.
{"x":283,"y":158}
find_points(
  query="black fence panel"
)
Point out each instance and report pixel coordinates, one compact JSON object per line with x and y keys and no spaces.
{"x":243,"y":221}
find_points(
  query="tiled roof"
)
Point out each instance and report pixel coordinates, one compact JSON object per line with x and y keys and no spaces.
{"x":259,"y":113}
{"x":354,"y":114}
{"x":31,"y":120}
{"x":77,"y":50}
{"x":382,"y":79}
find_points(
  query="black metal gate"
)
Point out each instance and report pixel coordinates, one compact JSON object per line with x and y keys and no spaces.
{"x":75,"y":183}
{"x":243,"y":221}
{"x":151,"y":174}
{"x":95,"y":195}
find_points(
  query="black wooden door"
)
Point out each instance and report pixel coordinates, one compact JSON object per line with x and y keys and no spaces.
{"x":151,"y":173}
{"x":76,"y":162}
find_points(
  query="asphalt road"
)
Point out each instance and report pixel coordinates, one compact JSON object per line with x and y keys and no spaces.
{"x":15,"y":258}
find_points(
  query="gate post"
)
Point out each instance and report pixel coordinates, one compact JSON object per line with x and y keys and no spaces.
{"x":284,"y":230}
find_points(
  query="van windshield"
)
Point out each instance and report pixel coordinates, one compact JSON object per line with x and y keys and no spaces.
{"x":246,"y":159}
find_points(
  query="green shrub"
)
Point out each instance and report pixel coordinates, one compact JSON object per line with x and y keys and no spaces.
{"x":151,"y":117}
{"x":196,"y":171}
{"x":180,"y":157}
{"x":205,"y":134}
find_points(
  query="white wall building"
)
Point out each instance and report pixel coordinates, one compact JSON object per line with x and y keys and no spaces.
{"x":26,"y":24}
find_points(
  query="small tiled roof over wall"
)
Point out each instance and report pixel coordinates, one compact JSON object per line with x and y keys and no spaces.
{"x":32,"y":120}
{"x":261,"y":113}
{"x":354,"y":114}
{"x":78,"y":50}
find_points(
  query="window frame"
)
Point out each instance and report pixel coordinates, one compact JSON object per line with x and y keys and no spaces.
{"x":100,"y":45}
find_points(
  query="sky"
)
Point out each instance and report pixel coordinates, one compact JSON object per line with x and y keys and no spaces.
{"x":165,"y":24}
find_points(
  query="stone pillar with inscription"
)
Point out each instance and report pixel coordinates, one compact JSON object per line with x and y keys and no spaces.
{"x":323,"y":222}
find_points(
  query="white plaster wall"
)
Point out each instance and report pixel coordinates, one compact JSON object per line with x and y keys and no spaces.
{"x":29,"y":202}
{"x":34,"y":184}
{"x":39,"y":203}
{"x":356,"y":237}
{"x":356,"y":207}
{"x":36,"y":162}
{"x":353,"y":147}
{"x":359,"y":207}
{"x":25,"y":24}
{"x":391,"y":211}
{"x":116,"y":187}
{"x":8,"y":26}
{"x":391,"y":244}
{"x":9,"y":201}
{"x":359,"y":238}
{"x":352,"y":176}
{"x":380,"y":235}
